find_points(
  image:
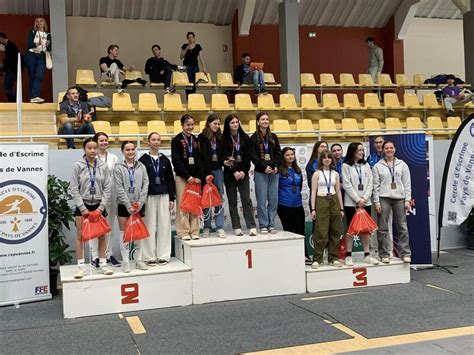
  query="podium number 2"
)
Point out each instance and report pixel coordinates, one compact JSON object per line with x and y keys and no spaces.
{"x":129,"y":293}
{"x":249,"y":258}
{"x":360,"y":276}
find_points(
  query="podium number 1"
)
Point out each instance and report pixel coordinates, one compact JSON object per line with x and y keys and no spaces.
{"x":249,"y":258}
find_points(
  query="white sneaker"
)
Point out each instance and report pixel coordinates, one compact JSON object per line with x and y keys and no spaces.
{"x":221,"y":233}
{"x":195,"y":237}
{"x":407,"y":259}
{"x":385,"y":260}
{"x":126,"y":267}
{"x":315,"y":265}
{"x":238,"y":232}
{"x":370,"y":260}
{"x":348,"y":261}
{"x":185,"y":237}
{"x":253,"y":232}
{"x":140,"y":265}
{"x":104,"y":269}
{"x":272,"y":231}
{"x":335,"y":263}
{"x":81,"y":272}
{"x":206,"y":233}
{"x":37,"y":100}
{"x":263,"y":231}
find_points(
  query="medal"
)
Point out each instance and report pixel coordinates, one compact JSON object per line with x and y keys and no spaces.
{"x":267,"y":157}
{"x":358,"y":168}
{"x":191,"y":161}
{"x":328,"y":184}
{"x":156,"y":169}
{"x":214,"y":157}
{"x":329,"y":196}
{"x":238,"y":158}
{"x":131,"y":176}
{"x":360,"y":187}
{"x":157,"y":180}
{"x":131,"y":190}
{"x":189,"y":145}
{"x":92,"y":191}
{"x":393,"y":185}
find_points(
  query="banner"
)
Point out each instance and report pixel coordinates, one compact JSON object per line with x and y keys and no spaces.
{"x":24,"y":260}
{"x":457,"y":188}
{"x":413,"y":150}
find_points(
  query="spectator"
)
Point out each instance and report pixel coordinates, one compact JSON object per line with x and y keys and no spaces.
{"x":74,"y":116}
{"x":160,"y":70}
{"x":375,"y":58}
{"x":39,"y":41}
{"x":452,"y":94}
{"x":336,"y":150}
{"x":378,"y":154}
{"x":9,"y":66}
{"x":111,"y":68}
{"x":244,"y":74}
{"x":191,"y":53}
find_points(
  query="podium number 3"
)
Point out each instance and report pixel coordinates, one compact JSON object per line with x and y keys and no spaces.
{"x":129,"y":293}
{"x":249,"y":258}
{"x":361,"y":276}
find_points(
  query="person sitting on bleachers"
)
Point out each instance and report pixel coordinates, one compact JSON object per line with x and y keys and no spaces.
{"x":244,"y":74}
{"x":111,"y":68}
{"x":453,"y":94}
{"x":74,"y":116}
{"x":160,"y":70}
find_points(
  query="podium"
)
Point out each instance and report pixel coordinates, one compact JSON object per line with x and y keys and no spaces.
{"x":244,"y":267}
{"x":157,"y":287}
{"x":328,"y":278}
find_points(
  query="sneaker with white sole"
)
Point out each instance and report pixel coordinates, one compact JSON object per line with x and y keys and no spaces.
{"x":385,"y":259}
{"x":221,"y":233}
{"x":185,"y":237}
{"x":81,"y":272}
{"x":126,"y":267}
{"x":238,"y":232}
{"x":272,"y":231}
{"x":315,"y":265}
{"x":348,"y":261}
{"x":113,"y":262}
{"x":151,"y":263}
{"x":263,"y":231}
{"x":37,"y":100}
{"x":407,"y":259}
{"x":141,"y":265}
{"x":206,"y":233}
{"x":253,"y":232}
{"x":370,"y":260}
{"x":104,"y":269}
{"x":195,"y":237}
{"x":335,"y":263}
{"x":162,"y":262}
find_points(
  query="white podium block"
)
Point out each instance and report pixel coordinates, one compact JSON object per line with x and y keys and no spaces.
{"x":328,"y":278}
{"x":244,"y":267}
{"x":157,"y":287}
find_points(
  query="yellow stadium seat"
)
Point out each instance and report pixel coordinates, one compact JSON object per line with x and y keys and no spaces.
{"x":172,"y":102}
{"x":36,"y":129}
{"x":371,"y":101}
{"x":133,"y":75}
{"x":266,"y":103}
{"x":330,"y":102}
{"x":225,"y":80}
{"x":204,"y":81}
{"x":419,"y":80}
{"x":147,"y":103}
{"x":157,"y":126}
{"x":243,"y":102}
{"x":402,"y":81}
{"x":385,"y":80}
{"x":414,"y":123}
{"x":392,"y":123}
{"x":85,"y":77}
{"x":270,"y":81}
{"x":327,"y":124}
{"x":201,"y":126}
{"x":327,"y":80}
{"x":309,"y":102}
{"x":304,"y":124}
{"x":453,"y":124}
{"x":60,"y":98}
{"x":129,"y":127}
{"x":365,"y":80}
{"x":351,"y":101}
{"x":308,"y":81}
{"x":430,"y":101}
{"x":196,"y":102}
{"x":252,"y":126}
{"x":122,"y":102}
{"x":390,"y":101}
{"x":371,"y":125}
{"x":157,"y":85}
{"x":93,"y":94}
{"x":410,"y":100}
{"x":181,"y":80}
{"x":288,"y":102}
{"x":220,"y":102}
{"x":282,"y":126}
{"x":434,"y":123}
{"x":177,"y":128}
{"x":350,"y":124}
{"x":347,"y":79}
{"x":103,"y":126}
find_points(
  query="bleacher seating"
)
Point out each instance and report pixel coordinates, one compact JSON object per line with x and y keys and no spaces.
{"x":147,"y":103}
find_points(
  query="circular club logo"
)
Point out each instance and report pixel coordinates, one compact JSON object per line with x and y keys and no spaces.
{"x":23,"y":211}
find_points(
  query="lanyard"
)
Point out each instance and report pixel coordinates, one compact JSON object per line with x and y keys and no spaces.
{"x":328,"y":185}
{"x":292,"y":176}
{"x":189,"y":144}
{"x":92,"y":174}
{"x":156,"y":166}
{"x":359,"y":172}
{"x":265,"y":144}
{"x":236,"y":143}
{"x":213,"y":145}
{"x":391,"y":169}
{"x":131,"y":175}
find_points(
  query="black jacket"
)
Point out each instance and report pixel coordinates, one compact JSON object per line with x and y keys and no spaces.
{"x":228,"y":151}
{"x":154,"y":66}
{"x":239,"y":74}
{"x":167,"y":185}
{"x":206,"y":154}
{"x":258,"y":153}
{"x":179,"y":157}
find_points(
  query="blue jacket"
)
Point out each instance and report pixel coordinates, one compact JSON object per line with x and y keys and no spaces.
{"x":289,"y":189}
{"x":373,"y":159}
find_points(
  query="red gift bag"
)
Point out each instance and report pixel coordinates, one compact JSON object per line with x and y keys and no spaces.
{"x":94,"y":225}
{"x":191,"y":202}
{"x":210,"y":196}
{"x":341,"y":248}
{"x":362,"y":224}
{"x":135,"y":229}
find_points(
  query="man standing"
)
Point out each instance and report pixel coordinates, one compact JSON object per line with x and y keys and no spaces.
{"x":74,"y":116}
{"x":375,"y":59}
{"x":378,"y":154}
{"x":244,"y":74}
{"x":452,"y":94}
{"x":10,"y":65}
{"x":160,"y":70}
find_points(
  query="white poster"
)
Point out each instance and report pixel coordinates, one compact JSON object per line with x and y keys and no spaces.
{"x":24,"y":261}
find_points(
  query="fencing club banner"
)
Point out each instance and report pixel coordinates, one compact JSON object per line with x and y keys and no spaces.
{"x":457,"y":188}
{"x":24,"y":257}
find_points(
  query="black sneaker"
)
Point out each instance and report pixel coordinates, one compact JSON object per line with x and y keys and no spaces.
{"x":95,"y":263}
{"x":141,"y":81}
{"x":257,"y":91}
{"x":113,"y":262}
{"x":263,"y":91}
{"x":170,"y":90}
{"x":451,"y":114}
{"x":126,"y":83}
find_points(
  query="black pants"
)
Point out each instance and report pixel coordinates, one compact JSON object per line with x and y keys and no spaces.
{"x":231,"y":186}
{"x":292,"y":220}
{"x":165,"y":78}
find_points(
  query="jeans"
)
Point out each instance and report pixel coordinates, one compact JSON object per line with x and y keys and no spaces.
{"x":243,"y":185}
{"x":68,"y":128}
{"x":191,"y":70}
{"x":400,"y":220}
{"x":8,"y":85}
{"x":266,"y":191}
{"x":218,"y":211}
{"x":36,"y":65}
{"x":256,"y":78}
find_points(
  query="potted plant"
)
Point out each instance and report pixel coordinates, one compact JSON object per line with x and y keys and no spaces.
{"x":59,"y":216}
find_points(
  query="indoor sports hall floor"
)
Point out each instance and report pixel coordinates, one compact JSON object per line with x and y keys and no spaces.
{"x":434,"y":314}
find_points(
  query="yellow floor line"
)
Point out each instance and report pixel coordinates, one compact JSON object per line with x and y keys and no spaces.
{"x":120,"y":315}
{"x":330,"y":296}
{"x":439,"y":288}
{"x":136,"y":325}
